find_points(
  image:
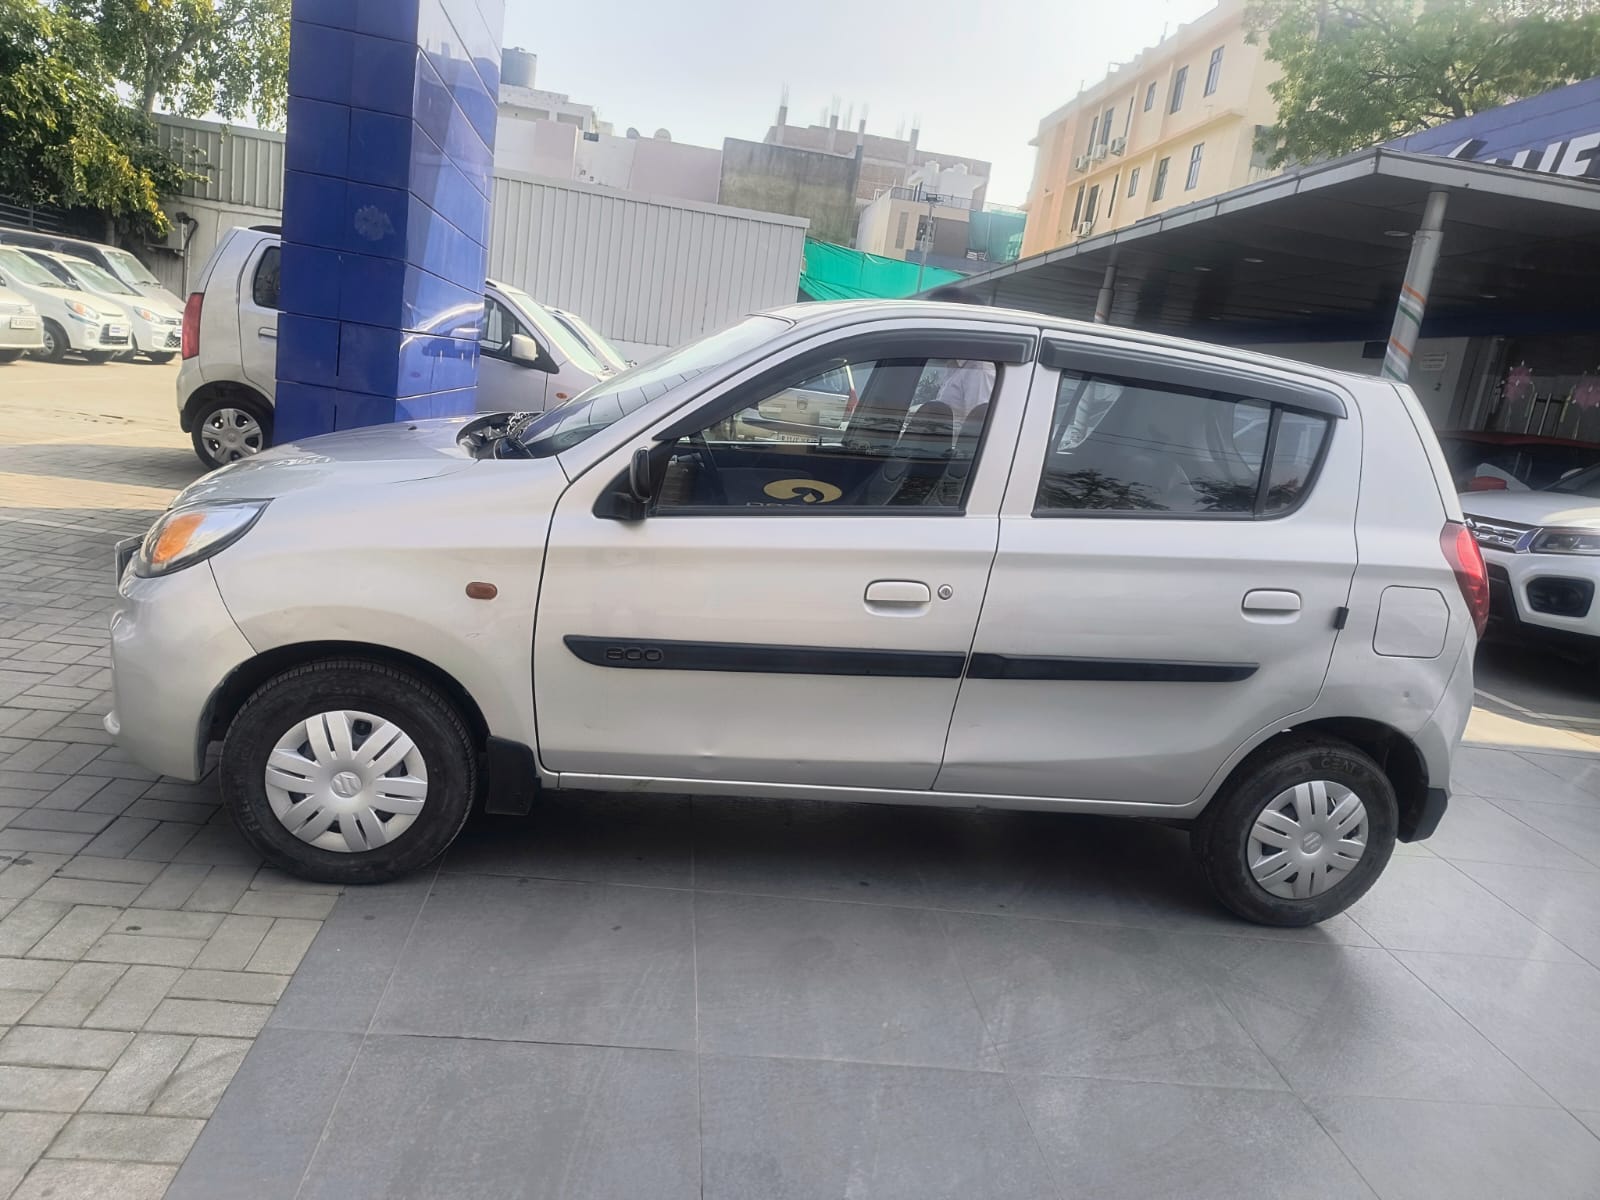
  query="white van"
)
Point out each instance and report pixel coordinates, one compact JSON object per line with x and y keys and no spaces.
{"x":155,"y":325}
{"x":95,"y":328}
{"x":227,"y":384}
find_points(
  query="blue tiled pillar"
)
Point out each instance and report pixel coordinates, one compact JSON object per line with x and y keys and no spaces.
{"x":390,"y":156}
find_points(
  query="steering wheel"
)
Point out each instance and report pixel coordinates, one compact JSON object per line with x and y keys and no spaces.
{"x":713,"y":473}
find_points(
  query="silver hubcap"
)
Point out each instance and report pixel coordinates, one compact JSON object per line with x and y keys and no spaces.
{"x":230,"y":434}
{"x":1307,"y":839}
{"x":49,"y":341}
{"x":346,"y":781}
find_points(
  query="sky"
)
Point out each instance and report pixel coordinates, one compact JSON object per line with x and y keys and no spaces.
{"x":979,"y":74}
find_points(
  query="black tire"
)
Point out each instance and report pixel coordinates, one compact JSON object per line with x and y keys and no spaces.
{"x":250,"y":403}
{"x":160,"y":357}
{"x":9,"y":356}
{"x":55,"y":342}
{"x":432,"y":722}
{"x":1221,"y":837}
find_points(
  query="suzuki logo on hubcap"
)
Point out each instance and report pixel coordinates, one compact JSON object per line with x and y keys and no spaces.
{"x":346,"y":784}
{"x":1311,"y":843}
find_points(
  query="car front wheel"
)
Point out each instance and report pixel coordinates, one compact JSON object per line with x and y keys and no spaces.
{"x":1299,"y":833}
{"x":348,"y":772}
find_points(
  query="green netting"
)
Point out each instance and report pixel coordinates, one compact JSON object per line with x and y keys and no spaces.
{"x":832,"y":272}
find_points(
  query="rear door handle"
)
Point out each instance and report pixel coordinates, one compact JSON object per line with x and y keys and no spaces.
{"x":267,"y":331}
{"x":1268,"y":600}
{"x":898,"y":593}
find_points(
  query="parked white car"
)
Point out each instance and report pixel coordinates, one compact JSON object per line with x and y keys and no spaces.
{"x":598,"y":347}
{"x":1542,"y":549}
{"x":156,"y":327}
{"x":228,"y":380}
{"x":936,"y":603}
{"x":69,"y":319}
{"x":19,"y":327}
{"x":114,"y":260}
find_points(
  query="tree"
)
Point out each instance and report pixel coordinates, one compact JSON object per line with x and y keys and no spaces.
{"x":1359,"y":72}
{"x":230,"y":57}
{"x":65,"y":137}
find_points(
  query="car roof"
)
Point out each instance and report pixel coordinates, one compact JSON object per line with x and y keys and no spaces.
{"x":69,"y":259}
{"x":827,"y":312}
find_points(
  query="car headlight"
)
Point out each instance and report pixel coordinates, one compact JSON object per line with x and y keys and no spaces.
{"x":144,"y":314}
{"x":1566,"y":541}
{"x":185,"y":536}
{"x":80,"y":309}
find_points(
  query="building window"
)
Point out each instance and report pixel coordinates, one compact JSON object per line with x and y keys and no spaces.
{"x":1150,"y":96}
{"x":1178,"y":80}
{"x":1111,"y":195}
{"x":1105,"y":125}
{"x":1091,"y":205}
{"x":1214,"y":71}
{"x":900,"y":231}
{"x":1094,"y":132}
{"x":1160,"y":188}
{"x":1077,"y":207}
{"x":1193,"y":178}
{"x":1133,"y":182}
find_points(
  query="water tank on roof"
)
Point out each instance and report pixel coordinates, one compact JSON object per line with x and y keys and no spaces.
{"x":663,"y":135}
{"x":632,"y":132}
{"x":518,"y":67}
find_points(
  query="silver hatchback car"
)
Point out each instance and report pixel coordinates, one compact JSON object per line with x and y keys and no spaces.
{"x":1014,"y":563}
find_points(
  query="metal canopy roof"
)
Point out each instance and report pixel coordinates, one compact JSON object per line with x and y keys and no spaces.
{"x":1321,"y":252}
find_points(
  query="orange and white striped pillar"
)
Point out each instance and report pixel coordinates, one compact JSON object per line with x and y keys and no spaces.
{"x":1413,"y":302}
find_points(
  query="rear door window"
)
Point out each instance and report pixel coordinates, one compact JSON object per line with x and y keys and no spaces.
{"x":265,"y":287}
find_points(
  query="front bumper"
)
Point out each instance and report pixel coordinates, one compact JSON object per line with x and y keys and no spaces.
{"x":1553,"y":597}
{"x":172,"y":645}
{"x":29,"y":335}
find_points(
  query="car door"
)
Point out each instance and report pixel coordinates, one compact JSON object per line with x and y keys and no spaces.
{"x":1176,"y":551}
{"x":505,"y":385}
{"x":258,"y":316}
{"x":797,"y":605}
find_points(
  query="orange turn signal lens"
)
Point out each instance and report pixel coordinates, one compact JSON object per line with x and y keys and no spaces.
{"x":175,"y":537}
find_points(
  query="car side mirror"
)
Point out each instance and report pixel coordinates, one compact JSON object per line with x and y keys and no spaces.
{"x":528,"y":353}
{"x":630,"y":495}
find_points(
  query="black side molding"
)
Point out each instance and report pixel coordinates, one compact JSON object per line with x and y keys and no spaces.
{"x":513,"y":782}
{"x":654,"y":655}
{"x":1105,"y":670}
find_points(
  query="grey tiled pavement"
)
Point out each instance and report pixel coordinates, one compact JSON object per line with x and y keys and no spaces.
{"x":679,"y":996}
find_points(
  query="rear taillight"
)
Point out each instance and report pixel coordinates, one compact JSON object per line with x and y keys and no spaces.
{"x":1486,"y":483}
{"x":1466,"y":560}
{"x":191,"y":325}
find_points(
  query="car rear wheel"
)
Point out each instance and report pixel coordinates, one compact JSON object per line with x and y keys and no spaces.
{"x":160,"y":357}
{"x":55,"y":342}
{"x":348,"y":772}
{"x":230,"y":428}
{"x":1299,"y":833}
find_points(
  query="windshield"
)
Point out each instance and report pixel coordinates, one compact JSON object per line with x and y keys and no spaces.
{"x":571,"y":348}
{"x":19,"y":267}
{"x":129,"y":267}
{"x":1584,"y":483}
{"x":585,"y":333}
{"x":610,"y":400}
{"x":97,"y":280}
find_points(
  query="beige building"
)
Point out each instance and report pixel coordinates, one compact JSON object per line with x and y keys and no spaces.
{"x":944,"y":196}
{"x":1175,"y":125}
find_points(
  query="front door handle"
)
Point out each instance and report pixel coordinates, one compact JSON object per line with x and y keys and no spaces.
{"x":267,"y":331}
{"x":899,"y":593}
{"x":1268,"y":600}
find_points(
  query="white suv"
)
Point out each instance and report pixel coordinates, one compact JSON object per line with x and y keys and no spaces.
{"x":1033,"y":564}
{"x":528,"y":360}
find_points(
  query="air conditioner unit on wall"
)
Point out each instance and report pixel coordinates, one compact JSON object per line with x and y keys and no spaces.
{"x":1099,"y":152}
{"x":1118,"y":145}
{"x":1081,"y":163}
{"x":1085,"y":228}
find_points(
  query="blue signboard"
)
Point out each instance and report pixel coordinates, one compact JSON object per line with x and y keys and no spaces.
{"x":1557,"y":133}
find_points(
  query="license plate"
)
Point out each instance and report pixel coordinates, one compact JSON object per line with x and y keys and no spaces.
{"x":116,"y":332}
{"x":125,"y":551}
{"x":24,"y":322}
